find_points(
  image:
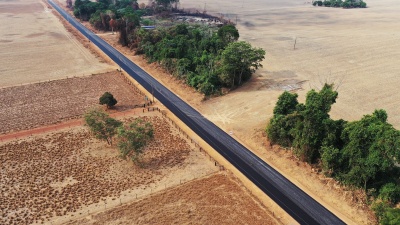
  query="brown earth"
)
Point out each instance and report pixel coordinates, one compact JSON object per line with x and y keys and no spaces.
{"x":215,"y":199}
{"x":64,"y":175}
{"x":59,"y":100}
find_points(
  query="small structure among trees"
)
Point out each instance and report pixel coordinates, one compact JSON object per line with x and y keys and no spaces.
{"x":108,"y":99}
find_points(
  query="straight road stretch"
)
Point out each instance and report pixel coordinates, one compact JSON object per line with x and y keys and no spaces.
{"x":292,"y":199}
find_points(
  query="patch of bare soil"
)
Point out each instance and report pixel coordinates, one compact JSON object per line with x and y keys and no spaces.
{"x":33,"y":105}
{"x":216,"y":199}
{"x":65,"y":175}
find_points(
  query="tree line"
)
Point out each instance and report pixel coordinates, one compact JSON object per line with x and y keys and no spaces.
{"x":340,"y":3}
{"x":206,"y":58}
{"x":362,"y":154}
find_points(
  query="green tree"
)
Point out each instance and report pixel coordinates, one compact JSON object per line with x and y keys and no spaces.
{"x":101,"y":125}
{"x":228,"y":34}
{"x":371,"y":148}
{"x":390,"y":192}
{"x":310,"y":134}
{"x":133,"y":138}
{"x":391,"y":217}
{"x":107,"y":99}
{"x":239,"y":61}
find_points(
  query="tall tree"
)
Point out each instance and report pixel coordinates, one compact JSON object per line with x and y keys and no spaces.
{"x":239,"y":61}
{"x":311,"y":132}
{"x":101,"y":125}
{"x":133,"y":138}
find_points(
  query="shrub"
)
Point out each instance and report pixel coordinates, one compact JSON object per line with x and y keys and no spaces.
{"x":107,"y":99}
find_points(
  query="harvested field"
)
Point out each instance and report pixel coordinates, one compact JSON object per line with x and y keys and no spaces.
{"x":66,"y":175}
{"x":33,"y":105}
{"x":35,"y":46}
{"x":216,"y":199}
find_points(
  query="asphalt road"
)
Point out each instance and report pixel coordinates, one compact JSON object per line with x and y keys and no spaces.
{"x":292,"y":199}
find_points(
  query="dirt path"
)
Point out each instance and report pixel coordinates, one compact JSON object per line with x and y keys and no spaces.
{"x":63,"y":125}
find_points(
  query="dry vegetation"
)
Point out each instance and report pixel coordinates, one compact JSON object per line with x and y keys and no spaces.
{"x":216,"y":199}
{"x":54,"y":176}
{"x":34,"y":46}
{"x":55,"y":101}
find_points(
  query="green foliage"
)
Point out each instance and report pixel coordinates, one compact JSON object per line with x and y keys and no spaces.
{"x":239,"y":61}
{"x":310,"y":133}
{"x":228,"y":34}
{"x":287,"y":103}
{"x":101,"y":125}
{"x":390,"y":192}
{"x":391,"y":217}
{"x":206,"y":58}
{"x":133,"y":138}
{"x":341,"y":3}
{"x":363,"y":154}
{"x":371,"y":148}
{"x":107,"y":99}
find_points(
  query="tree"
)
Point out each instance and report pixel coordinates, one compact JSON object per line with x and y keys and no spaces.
{"x":371,"y":149}
{"x":107,"y":99}
{"x":239,"y":61}
{"x":391,"y":217}
{"x":310,"y":134}
{"x":101,"y":125}
{"x":228,"y":34}
{"x":133,"y":138}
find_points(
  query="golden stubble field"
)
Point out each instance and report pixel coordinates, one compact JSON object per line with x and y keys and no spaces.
{"x":34,"y":46}
{"x":358,"y":49}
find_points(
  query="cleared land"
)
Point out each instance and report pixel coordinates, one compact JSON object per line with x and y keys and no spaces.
{"x":28,"y":106}
{"x":34,"y":46}
{"x":357,"y":49}
{"x":216,"y":199}
{"x":65,"y":175}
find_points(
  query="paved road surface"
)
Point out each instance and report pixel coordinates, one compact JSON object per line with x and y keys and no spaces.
{"x":293,"y":200}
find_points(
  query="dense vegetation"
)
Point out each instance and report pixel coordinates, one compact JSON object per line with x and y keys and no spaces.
{"x":363,"y":154}
{"x":339,"y":3}
{"x":207,"y":58}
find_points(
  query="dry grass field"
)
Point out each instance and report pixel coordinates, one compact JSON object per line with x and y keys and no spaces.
{"x":56,"y":177}
{"x":215,"y":199}
{"x":28,"y":106}
{"x":357,"y":49}
{"x":34,"y":46}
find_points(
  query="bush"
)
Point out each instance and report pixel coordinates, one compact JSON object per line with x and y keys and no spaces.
{"x":108,"y":99}
{"x":390,"y":192}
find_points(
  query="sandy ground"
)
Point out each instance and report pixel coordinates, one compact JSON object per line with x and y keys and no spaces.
{"x":215,"y":199}
{"x":34,"y":46}
{"x":60,"y":100}
{"x":56,"y":177}
{"x":357,"y":49}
